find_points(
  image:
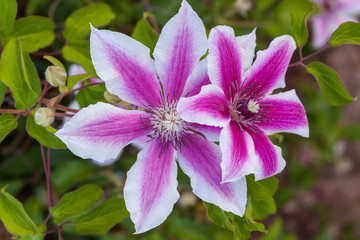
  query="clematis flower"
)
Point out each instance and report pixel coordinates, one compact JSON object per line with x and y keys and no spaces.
{"x":100,"y":131}
{"x":333,"y":14}
{"x":239,"y":101}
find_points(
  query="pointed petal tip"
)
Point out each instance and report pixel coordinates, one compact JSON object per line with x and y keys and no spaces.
{"x":291,"y":40}
{"x":92,"y":27}
{"x":184,"y":4}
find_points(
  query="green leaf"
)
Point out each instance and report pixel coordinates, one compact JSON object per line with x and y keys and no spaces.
{"x":102,"y":218}
{"x":249,"y":224}
{"x":3,"y":89}
{"x":347,"y":33}
{"x":73,"y":80}
{"x":81,"y":55}
{"x":19,"y":74}
{"x":7,"y":16}
{"x":91,"y":95}
{"x":263,"y":189}
{"x":54,"y":61}
{"x":14,"y":217}
{"x":34,"y":208}
{"x":76,"y":203}
{"x":216,"y":214}
{"x":259,"y":209}
{"x":7,"y":124}
{"x":34,"y":32}
{"x":144,"y":33}
{"x":42,"y":135}
{"x":36,"y":237}
{"x":298,"y":18}
{"x":77,"y":25}
{"x":330,"y":84}
{"x":260,"y":197}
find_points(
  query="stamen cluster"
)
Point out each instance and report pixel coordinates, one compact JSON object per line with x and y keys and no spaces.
{"x":168,"y":126}
{"x":246,"y":109}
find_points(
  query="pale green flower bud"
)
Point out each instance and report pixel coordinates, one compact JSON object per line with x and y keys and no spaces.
{"x":111,"y":98}
{"x":44,"y":116}
{"x":56,"y":76}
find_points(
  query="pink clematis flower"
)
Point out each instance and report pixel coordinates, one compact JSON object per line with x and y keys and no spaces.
{"x":100,"y":131}
{"x":238,"y":100}
{"x":334,"y":13}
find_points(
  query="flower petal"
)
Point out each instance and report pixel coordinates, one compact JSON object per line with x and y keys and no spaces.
{"x":150,"y":188}
{"x":247,"y":43}
{"x":320,"y":30}
{"x":268,"y":71}
{"x":198,"y":78}
{"x":269,"y":156}
{"x":101,"y":131}
{"x":283,"y":112}
{"x":125,"y":66}
{"x":209,"y":107}
{"x":181,"y":44}
{"x":351,"y":7}
{"x":200,"y":160}
{"x":224,"y":61}
{"x":238,"y":156}
{"x":210,"y":132}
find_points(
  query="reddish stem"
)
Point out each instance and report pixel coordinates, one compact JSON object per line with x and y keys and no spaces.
{"x":47,"y":175}
{"x":51,"y":201}
{"x":58,"y":228}
{"x":61,"y":107}
{"x":63,"y":114}
{"x":47,"y":53}
{"x":15,"y":111}
{"x":77,"y":89}
{"x":300,"y":62}
{"x":45,"y":89}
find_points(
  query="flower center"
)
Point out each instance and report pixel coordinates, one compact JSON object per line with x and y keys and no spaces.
{"x":167,"y":125}
{"x":244,"y":111}
{"x":329,"y":5}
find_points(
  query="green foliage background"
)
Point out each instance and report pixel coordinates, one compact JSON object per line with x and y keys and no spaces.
{"x":43,"y":26}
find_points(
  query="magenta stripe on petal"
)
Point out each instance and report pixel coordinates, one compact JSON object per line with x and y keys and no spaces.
{"x":270,"y":160}
{"x":200,"y":160}
{"x":224,"y":61}
{"x":268,"y":71}
{"x":100,"y":131}
{"x":181,"y":44}
{"x":209,"y":107}
{"x":150,"y":188}
{"x":237,"y":150}
{"x":283,"y":112}
{"x":125,"y":66}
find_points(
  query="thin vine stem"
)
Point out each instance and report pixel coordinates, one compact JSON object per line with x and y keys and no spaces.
{"x":15,"y":111}
{"x":302,"y":59}
{"x":57,"y":228}
{"x":52,"y":9}
{"x":77,"y":89}
{"x":45,"y":89}
{"x":47,"y":174}
{"x":63,"y":114}
{"x":51,"y":199}
{"x":55,"y":53}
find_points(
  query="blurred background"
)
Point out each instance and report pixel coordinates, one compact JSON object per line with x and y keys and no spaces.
{"x":319,"y":192}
